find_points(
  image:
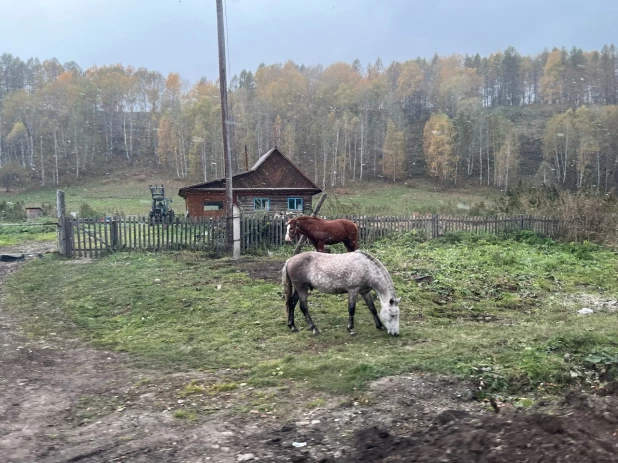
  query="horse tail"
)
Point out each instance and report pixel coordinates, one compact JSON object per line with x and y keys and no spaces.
{"x":352,"y":238}
{"x":288,"y":289}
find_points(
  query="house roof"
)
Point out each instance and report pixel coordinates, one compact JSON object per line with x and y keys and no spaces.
{"x":273,"y":171}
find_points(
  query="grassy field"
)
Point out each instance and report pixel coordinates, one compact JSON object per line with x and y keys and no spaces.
{"x":126,"y":193}
{"x":500,"y":312}
{"x":129,"y":194}
{"x":413,"y":196}
{"x":14,"y":235}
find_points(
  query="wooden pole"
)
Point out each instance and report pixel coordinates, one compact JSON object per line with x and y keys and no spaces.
{"x":229,"y":211}
{"x":315,"y":213}
{"x":62,"y":232}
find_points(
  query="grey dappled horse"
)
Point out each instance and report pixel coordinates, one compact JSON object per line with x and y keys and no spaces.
{"x":353,"y":273}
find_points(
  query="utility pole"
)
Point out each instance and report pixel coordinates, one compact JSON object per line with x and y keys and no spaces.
{"x":229,"y":211}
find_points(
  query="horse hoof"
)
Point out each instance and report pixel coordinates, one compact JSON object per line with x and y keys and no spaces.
{"x":315,"y":331}
{"x":352,"y":333}
{"x":293,"y":329}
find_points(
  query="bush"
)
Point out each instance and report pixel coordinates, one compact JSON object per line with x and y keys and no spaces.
{"x":12,"y":212}
{"x":585,"y":215}
{"x":86,"y":211}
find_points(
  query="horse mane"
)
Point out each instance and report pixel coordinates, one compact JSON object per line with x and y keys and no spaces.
{"x":380,"y":265}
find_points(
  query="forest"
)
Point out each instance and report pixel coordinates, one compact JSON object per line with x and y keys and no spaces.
{"x":448,"y":117}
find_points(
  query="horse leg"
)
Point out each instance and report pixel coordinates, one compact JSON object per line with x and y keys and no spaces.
{"x":315,"y":243}
{"x":305,"y":309}
{"x":290,"y":305}
{"x":372,"y":308}
{"x":350,"y":245}
{"x":320,"y":246}
{"x":351,"y":311}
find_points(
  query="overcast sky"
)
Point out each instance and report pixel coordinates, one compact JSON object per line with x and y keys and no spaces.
{"x":181,"y":36}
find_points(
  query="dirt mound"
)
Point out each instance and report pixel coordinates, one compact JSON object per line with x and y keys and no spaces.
{"x":574,"y":435}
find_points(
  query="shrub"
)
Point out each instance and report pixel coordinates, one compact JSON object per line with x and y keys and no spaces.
{"x":86,"y":211}
{"x":12,"y":212}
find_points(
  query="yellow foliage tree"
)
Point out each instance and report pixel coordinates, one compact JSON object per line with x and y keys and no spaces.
{"x":506,"y":160}
{"x":394,"y":152}
{"x":410,"y":81}
{"x":438,"y":143}
{"x":552,"y":80}
{"x":558,"y":144}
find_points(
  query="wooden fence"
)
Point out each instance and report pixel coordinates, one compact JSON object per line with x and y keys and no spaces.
{"x":97,"y":237}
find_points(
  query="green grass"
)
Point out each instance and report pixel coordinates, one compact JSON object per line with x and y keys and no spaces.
{"x":500,"y":312}
{"x":128,"y":193}
{"x":188,"y":415}
{"x":412,"y":196}
{"x":11,"y":235}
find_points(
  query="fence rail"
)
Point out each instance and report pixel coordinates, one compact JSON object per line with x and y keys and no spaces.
{"x":97,"y":237}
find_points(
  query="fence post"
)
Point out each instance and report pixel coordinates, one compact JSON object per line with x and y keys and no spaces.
{"x":236,"y":240}
{"x":62,"y":228}
{"x":68,"y":234}
{"x":435,"y":219}
{"x":113,"y":231}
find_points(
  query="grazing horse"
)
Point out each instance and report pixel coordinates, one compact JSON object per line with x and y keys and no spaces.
{"x":353,"y":273}
{"x":321,"y":232}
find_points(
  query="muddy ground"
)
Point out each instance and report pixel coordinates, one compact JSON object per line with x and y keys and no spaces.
{"x":63,"y":401}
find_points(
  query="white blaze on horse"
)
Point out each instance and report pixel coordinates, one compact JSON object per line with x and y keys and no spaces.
{"x":353,"y":273}
{"x":320,"y":232}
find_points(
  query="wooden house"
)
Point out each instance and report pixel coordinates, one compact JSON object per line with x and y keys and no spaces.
{"x":273,"y":184}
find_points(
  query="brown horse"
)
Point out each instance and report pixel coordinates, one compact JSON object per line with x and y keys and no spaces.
{"x":320,"y":232}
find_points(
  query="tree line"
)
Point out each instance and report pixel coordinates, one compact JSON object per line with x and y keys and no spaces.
{"x":340,"y":123}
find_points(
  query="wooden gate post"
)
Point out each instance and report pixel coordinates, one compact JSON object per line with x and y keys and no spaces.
{"x":62,"y":228}
{"x":69,"y":237}
{"x":315,"y":213}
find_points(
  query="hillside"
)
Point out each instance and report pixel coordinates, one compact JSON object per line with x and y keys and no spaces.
{"x":530,"y":122}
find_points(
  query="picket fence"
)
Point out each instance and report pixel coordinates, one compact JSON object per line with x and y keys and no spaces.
{"x":97,"y":237}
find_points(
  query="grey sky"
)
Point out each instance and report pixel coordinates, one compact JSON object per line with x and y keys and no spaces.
{"x":181,"y":36}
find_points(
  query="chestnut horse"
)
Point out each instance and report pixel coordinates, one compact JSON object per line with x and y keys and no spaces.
{"x":320,"y":232}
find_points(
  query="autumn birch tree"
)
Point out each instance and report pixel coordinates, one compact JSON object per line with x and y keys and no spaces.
{"x":438,"y":144}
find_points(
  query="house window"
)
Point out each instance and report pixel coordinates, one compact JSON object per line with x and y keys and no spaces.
{"x":261,"y":204}
{"x":295,"y":204}
{"x":213,"y":205}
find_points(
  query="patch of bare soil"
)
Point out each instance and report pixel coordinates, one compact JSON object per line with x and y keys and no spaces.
{"x":571,"y":434}
{"x":581,"y":429}
{"x":259,"y":269}
{"x":31,"y":248}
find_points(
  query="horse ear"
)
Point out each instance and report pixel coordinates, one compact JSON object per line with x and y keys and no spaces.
{"x":398,"y":299}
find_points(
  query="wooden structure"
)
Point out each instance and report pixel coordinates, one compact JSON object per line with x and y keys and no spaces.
{"x":33,"y":213}
{"x":273,"y":184}
{"x":98,"y":237}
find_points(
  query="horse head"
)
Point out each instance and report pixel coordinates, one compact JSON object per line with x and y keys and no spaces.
{"x":389,"y":315}
{"x":292,"y":229}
